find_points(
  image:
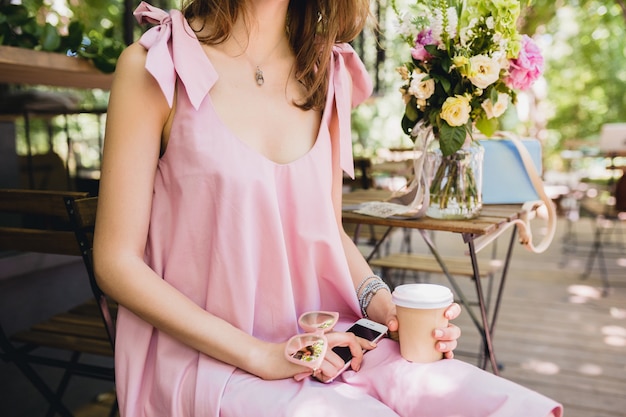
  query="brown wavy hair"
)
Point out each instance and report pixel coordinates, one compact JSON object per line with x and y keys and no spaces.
{"x":314,"y":26}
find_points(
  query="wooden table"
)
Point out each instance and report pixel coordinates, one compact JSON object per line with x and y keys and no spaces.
{"x":493,"y":221}
{"x":26,"y":66}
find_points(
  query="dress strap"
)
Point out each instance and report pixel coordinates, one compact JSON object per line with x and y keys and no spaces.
{"x":174,"y":49}
{"x":351,"y":85}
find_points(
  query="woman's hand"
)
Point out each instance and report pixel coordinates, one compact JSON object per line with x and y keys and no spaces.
{"x":333,"y":363}
{"x":383,"y":310}
{"x":275,"y":366}
{"x":447,"y":338}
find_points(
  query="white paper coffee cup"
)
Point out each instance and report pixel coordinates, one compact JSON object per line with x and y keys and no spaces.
{"x":420,"y":309}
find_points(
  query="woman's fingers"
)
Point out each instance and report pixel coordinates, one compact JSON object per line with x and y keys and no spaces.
{"x":453,"y":311}
{"x":333,"y":363}
{"x":447,"y":339}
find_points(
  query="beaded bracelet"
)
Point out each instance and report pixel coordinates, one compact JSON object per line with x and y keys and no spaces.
{"x":367,"y":278}
{"x":368,"y":294}
{"x":370,"y":291}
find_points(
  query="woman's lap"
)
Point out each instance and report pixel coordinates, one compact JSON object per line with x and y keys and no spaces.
{"x":246,"y":395}
{"x":387,"y":385}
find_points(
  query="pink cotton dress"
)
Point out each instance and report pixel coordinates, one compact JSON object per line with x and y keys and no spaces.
{"x":256,"y":243}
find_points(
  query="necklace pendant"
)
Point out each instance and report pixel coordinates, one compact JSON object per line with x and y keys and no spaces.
{"x":259,"y":77}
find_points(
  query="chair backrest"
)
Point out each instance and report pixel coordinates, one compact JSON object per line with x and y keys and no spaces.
{"x":36,"y":221}
{"x":82,"y":214}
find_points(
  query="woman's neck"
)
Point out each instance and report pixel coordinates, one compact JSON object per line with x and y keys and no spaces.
{"x":261,"y":33}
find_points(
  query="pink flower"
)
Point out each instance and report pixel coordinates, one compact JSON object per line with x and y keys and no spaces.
{"x":424,"y":38}
{"x":527,"y":67}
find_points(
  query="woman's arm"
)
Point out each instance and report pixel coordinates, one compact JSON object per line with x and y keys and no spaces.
{"x":136,"y":117}
{"x":381,"y":309}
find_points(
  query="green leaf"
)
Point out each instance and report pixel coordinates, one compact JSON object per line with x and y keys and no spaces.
{"x":15,"y":14}
{"x":446,"y":63}
{"x":74,"y":37}
{"x":433,"y":50}
{"x":493,"y":95}
{"x":487,"y":126}
{"x":444,"y":81}
{"x":50,"y":39}
{"x":407,"y":125}
{"x":32,"y":30}
{"x":451,"y":138}
{"x":411,"y":112}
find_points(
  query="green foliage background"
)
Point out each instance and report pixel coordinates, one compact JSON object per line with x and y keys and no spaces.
{"x":586,"y":74}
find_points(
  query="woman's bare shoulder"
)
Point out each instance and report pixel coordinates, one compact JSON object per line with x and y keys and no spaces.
{"x":132,"y":59}
{"x":133,"y":79}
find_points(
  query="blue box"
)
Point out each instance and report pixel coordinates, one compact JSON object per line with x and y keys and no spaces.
{"x":505,"y":179}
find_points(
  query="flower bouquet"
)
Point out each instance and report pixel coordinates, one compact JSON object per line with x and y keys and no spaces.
{"x":467,"y":61}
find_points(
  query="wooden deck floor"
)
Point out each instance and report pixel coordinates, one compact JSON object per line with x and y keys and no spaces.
{"x":556,"y":333}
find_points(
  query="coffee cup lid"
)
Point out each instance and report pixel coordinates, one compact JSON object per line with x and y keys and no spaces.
{"x":422,"y":296}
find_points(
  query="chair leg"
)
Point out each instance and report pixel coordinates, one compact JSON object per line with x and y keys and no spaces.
{"x":113,"y":412}
{"x":597,"y":251}
{"x":64,"y":382}
{"x":9,"y":354}
{"x":55,"y":403}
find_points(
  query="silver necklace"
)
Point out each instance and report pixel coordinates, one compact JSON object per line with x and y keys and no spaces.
{"x":258,"y":72}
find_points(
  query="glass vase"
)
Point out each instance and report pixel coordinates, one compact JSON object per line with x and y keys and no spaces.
{"x":455,"y":181}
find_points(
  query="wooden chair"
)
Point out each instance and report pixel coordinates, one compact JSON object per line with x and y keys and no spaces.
{"x":43,"y":226}
{"x":82,"y":213}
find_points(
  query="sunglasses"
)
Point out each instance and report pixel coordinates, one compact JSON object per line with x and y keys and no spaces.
{"x":309,"y":349}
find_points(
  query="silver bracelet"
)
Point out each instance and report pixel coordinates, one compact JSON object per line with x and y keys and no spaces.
{"x":369,"y":292}
{"x":367,"y":278}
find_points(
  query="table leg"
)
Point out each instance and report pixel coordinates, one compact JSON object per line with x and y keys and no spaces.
{"x":503,"y":275}
{"x":458,"y":291}
{"x":484,"y":325}
{"x":378,"y":243}
{"x":486,"y":328}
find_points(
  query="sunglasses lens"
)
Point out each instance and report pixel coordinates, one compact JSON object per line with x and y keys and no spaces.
{"x":318,"y":321}
{"x":307,"y":350}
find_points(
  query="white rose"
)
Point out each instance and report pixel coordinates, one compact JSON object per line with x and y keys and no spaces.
{"x":496,"y":110}
{"x":484,"y":71}
{"x":420,"y":88}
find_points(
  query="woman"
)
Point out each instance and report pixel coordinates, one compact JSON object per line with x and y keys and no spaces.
{"x":219,"y":223}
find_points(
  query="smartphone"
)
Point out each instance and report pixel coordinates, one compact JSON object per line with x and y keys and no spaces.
{"x":364,"y":328}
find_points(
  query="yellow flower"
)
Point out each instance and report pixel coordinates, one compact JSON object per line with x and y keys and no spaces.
{"x":484,"y":71}
{"x":496,"y":109}
{"x":456,"y":110}
{"x":459,"y":61}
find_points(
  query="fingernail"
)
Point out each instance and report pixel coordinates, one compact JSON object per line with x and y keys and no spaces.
{"x":442,"y":346}
{"x":438,"y":333}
